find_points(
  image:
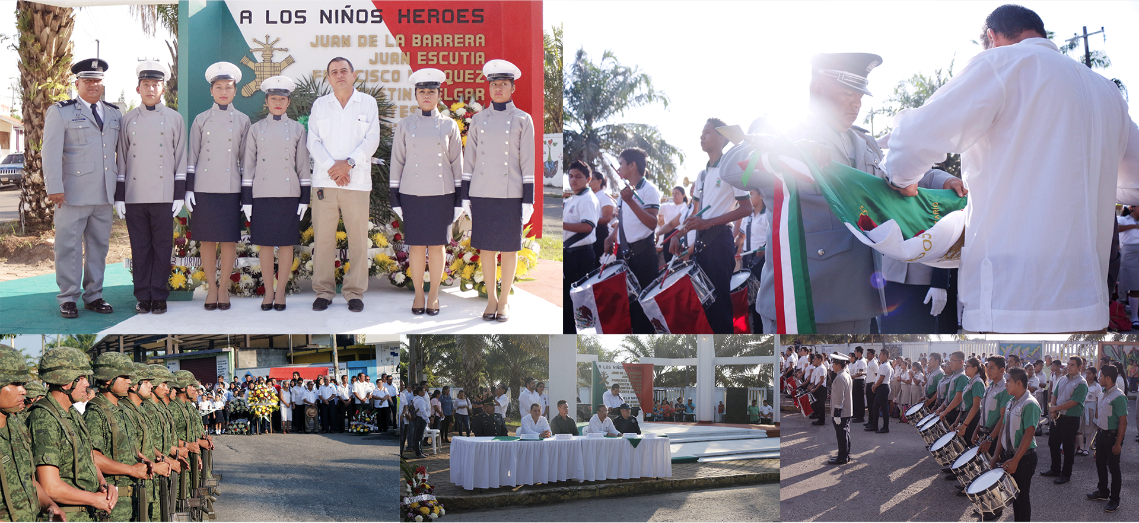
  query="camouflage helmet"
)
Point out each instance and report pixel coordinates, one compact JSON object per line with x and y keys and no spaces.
{"x":62,"y":365}
{"x":13,"y":367}
{"x":160,"y":374}
{"x":35,"y":389}
{"x":142,"y":372}
{"x":110,"y":365}
{"x":183,"y":379}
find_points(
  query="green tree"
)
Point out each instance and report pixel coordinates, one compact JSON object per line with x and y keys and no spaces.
{"x":634,"y":347}
{"x":510,"y":358}
{"x":596,"y":95}
{"x":75,"y":341}
{"x":555,"y":80}
{"x":1098,"y":58}
{"x":151,"y":17}
{"x":911,"y":94}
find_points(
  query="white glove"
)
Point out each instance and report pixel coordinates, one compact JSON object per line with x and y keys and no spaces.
{"x":458,"y":213}
{"x":121,"y":208}
{"x":177,"y":207}
{"x":190,"y":201}
{"x":467,"y":207}
{"x":939,"y":298}
{"x":398,"y":212}
{"x":301,"y":208}
{"x":248,"y":210}
{"x":527,"y":210}
{"x":606,"y":258}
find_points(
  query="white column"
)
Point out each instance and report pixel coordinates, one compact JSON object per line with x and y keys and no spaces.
{"x":705,"y":378}
{"x":562,"y":384}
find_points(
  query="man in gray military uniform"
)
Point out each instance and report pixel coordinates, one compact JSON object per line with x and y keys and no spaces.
{"x":842,"y":398}
{"x":80,"y":136}
{"x":845,"y":289}
{"x":151,"y":185}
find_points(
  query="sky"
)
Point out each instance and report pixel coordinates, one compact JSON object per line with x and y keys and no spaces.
{"x":121,"y":43}
{"x":740,"y":60}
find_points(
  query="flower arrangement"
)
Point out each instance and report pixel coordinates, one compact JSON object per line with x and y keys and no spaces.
{"x":363,"y":423}
{"x":263,"y":401}
{"x":238,"y":406}
{"x":239,"y":426}
{"x":467,"y":262}
{"x":417,"y":503}
{"x":385,"y":250}
{"x":461,"y":112}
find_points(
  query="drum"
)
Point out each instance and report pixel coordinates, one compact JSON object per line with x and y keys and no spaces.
{"x":675,"y":300}
{"x":601,"y":300}
{"x":969,"y":465}
{"x":924,"y":420}
{"x":932,"y":430}
{"x":916,"y":413}
{"x":992,"y":491}
{"x":803,"y":401}
{"x":946,"y":449}
{"x":744,"y":287}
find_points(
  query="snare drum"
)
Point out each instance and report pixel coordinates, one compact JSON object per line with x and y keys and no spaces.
{"x":924,"y":420}
{"x":675,"y":300}
{"x":915,"y":413}
{"x":804,"y":403}
{"x":932,"y":430}
{"x":601,"y":300}
{"x":946,"y":449}
{"x":743,"y":290}
{"x":992,"y":491}
{"x":969,"y":465}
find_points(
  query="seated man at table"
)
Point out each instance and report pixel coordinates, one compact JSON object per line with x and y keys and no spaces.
{"x":535,"y":423}
{"x":600,"y":422}
{"x":488,"y":422}
{"x":563,"y":423}
{"x":626,"y":423}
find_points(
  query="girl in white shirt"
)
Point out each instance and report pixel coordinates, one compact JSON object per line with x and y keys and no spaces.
{"x":462,"y":413}
{"x":1086,"y":436}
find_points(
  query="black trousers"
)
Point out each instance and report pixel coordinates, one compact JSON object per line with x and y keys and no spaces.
{"x":870,"y":404}
{"x":383,"y":418}
{"x":756,"y":319}
{"x":151,"y":230}
{"x":951,"y":416}
{"x":716,"y":258}
{"x":445,"y":425}
{"x":859,"y":399}
{"x":298,"y":417}
{"x":1022,"y":505}
{"x":881,"y":407}
{"x":820,"y":403}
{"x":1106,"y":460}
{"x":419,"y":425}
{"x":577,"y":262}
{"x":644,"y":266}
{"x":1063,"y":435}
{"x":842,"y":434}
{"x":971,"y":428}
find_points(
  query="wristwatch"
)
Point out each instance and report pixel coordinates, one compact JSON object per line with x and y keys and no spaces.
{"x":351,"y":162}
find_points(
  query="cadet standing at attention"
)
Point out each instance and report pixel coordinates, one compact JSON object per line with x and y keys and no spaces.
{"x":499,"y":197}
{"x":151,"y":186}
{"x":61,"y":446}
{"x":79,"y":141}
{"x":114,"y":439}
{"x":150,"y":437}
{"x":24,"y":498}
{"x":213,"y":181}
{"x":276,"y":185}
{"x":427,"y":176}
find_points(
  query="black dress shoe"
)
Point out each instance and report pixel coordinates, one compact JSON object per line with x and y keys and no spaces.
{"x":1099,"y":496}
{"x":356,"y":305}
{"x":433,"y":311}
{"x":278,"y":306}
{"x":1061,"y":480}
{"x":870,"y":429}
{"x":68,"y":309}
{"x":1049,"y":473}
{"x":946,"y":470}
{"x":267,"y":306}
{"x":836,"y":461}
{"x":950,"y":477}
{"x":158,"y":306}
{"x":99,"y":306}
{"x":320,"y":304}
{"x":418,"y":310}
{"x":858,"y":420}
{"x":223,"y":306}
{"x":883,"y":431}
{"x":142,"y":307}
{"x":210,"y":306}
{"x":503,"y":317}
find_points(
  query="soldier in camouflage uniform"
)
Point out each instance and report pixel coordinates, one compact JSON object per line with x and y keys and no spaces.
{"x":141,"y":389}
{"x":169,"y":410}
{"x":205,"y":441}
{"x":114,"y":432}
{"x":190,"y":427}
{"x":172,"y":446}
{"x":61,"y":446}
{"x":23,"y":496}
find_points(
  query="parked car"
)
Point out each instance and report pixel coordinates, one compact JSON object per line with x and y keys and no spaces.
{"x":12,"y":169}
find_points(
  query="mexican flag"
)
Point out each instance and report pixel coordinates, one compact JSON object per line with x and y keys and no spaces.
{"x":603,"y":307}
{"x":676,"y":309}
{"x":927,"y":228}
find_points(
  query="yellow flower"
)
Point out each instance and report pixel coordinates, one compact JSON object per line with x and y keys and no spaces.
{"x":346,"y":264}
{"x":464,"y":141}
{"x":296,"y":263}
{"x":468,"y":272}
{"x":341,"y":235}
{"x":177,"y":280}
{"x":175,"y":234}
{"x":424,"y":510}
{"x":462,"y":126}
{"x":466,"y":242}
{"x":457,"y":105}
{"x":199,"y":276}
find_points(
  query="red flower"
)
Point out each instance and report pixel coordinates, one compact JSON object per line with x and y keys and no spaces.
{"x":182,"y":220}
{"x":336,"y":263}
{"x":395,"y":223}
{"x":235,"y":277}
{"x":188,"y":236}
{"x":260,"y":290}
{"x":475,"y":259}
{"x":247,"y":224}
{"x":398,"y":237}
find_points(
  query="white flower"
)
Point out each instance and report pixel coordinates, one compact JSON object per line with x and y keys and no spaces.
{"x":446,"y":112}
{"x":418,"y":518}
{"x":460,"y":111}
{"x":399,"y":278}
{"x":427,"y":279}
{"x":478,"y":277}
{"x":475,"y":107}
{"x":432,"y":516}
{"x":246,"y":279}
{"x":468,"y":256}
{"x":442,"y":511}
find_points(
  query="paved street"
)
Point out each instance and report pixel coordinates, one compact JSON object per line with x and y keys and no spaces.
{"x":307,"y":477}
{"x":894,"y":478}
{"x":752,"y":503}
{"x":9,"y":203}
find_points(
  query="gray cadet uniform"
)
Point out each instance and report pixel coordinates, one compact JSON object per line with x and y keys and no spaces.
{"x":152,"y":175}
{"x":213,"y":173}
{"x":79,"y":161}
{"x":277,"y":178}
{"x":499,"y":177}
{"x":426,"y":176}
{"x":842,"y":406}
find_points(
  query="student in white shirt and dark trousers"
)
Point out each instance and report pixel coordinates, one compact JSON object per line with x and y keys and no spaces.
{"x":881,"y":389}
{"x":857,"y":370}
{"x":421,"y":415}
{"x":580,"y":215}
{"x":597,"y":184}
{"x":637,"y":219}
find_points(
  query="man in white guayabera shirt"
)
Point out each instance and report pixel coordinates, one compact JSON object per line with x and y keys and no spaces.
{"x":1036,"y":130}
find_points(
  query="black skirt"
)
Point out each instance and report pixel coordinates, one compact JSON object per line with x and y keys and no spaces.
{"x":427,"y":219}
{"x":275,"y":222}
{"x":216,"y":217}
{"x":496,"y":224}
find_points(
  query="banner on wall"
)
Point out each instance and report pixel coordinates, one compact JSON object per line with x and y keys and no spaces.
{"x":552,"y":161}
{"x":635,"y":379}
{"x":1025,"y":351}
{"x":1127,"y":353}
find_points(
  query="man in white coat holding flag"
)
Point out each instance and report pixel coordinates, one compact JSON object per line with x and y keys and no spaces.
{"x":1036,"y":130}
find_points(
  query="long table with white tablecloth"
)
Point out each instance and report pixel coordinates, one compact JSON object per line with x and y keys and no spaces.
{"x":487,"y":462}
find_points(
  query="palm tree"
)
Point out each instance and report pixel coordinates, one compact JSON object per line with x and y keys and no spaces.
{"x":634,"y":347}
{"x":554,"y":81}
{"x":599,"y":93}
{"x":1098,"y":59}
{"x":468,"y":351}
{"x":166,"y":15}
{"x":44,"y":47}
{"x":511,"y":358}
{"x":735,"y":345}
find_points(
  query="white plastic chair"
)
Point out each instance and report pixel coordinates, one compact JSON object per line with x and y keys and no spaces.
{"x":434,"y":435}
